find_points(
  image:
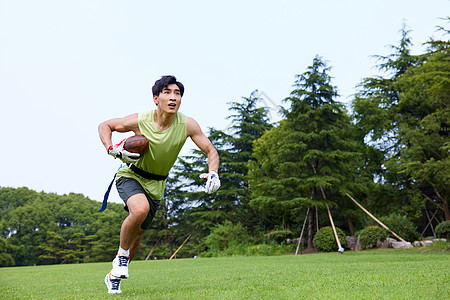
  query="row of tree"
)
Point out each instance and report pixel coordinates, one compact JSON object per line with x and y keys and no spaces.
{"x":391,"y":152}
{"x":42,"y":228}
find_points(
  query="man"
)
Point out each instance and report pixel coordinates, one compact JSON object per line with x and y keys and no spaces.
{"x":141,"y":181}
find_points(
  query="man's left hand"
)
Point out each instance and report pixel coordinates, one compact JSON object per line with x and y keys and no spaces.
{"x":212,"y":181}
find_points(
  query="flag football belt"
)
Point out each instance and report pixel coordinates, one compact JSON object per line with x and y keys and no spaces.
{"x":136,"y":170}
{"x":146,"y":174}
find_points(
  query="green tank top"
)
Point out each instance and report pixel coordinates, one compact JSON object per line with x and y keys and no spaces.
{"x":163,"y":151}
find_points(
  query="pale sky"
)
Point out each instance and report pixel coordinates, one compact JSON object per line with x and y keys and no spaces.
{"x":66,"y":66}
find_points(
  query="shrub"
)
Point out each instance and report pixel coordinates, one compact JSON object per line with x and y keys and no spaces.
{"x":325,"y":241}
{"x":235,"y":248}
{"x":278,"y":236}
{"x":222,"y":235}
{"x":443,"y":229}
{"x":439,"y":246}
{"x":242,"y":249}
{"x":401,"y":225}
{"x":369,"y":236}
{"x":269,"y":249}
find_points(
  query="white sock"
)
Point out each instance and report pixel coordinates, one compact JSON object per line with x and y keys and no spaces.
{"x":123,"y":252}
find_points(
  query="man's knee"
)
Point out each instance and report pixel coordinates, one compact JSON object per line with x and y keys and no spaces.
{"x":138,"y":206}
{"x":140,"y":213}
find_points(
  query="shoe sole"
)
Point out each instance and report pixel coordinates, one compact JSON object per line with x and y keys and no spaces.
{"x":119,"y":275}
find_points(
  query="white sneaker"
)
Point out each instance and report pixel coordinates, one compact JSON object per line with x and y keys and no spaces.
{"x":113,"y":284}
{"x":120,"y":266}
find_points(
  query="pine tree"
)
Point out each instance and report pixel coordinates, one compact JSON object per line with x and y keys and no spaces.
{"x":424,"y":107}
{"x":313,"y":148}
{"x":389,"y":110}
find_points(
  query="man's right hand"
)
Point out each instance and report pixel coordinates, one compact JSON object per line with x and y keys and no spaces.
{"x":117,"y":151}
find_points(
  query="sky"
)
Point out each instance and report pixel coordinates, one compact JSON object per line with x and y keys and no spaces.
{"x":66,"y":66}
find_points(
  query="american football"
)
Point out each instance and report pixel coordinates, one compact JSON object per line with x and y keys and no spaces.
{"x":136,"y":144}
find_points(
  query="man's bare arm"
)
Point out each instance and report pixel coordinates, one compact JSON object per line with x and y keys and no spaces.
{"x":126,"y":124}
{"x":199,"y":138}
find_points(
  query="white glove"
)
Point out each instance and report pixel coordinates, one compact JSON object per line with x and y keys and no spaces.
{"x":212,"y":181}
{"x":117,"y":151}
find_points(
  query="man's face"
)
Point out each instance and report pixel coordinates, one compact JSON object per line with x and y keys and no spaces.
{"x":169,"y":99}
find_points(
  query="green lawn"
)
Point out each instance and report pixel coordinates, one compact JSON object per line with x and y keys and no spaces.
{"x":388,"y":274}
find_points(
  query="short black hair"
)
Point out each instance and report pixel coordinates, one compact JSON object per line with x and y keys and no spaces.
{"x":164,"y":82}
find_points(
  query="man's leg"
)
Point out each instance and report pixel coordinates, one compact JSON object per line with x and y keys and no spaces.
{"x":130,"y":234}
{"x":136,"y":242}
{"x":138,"y":207}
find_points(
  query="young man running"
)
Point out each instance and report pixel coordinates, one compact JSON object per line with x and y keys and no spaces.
{"x":141,"y":180}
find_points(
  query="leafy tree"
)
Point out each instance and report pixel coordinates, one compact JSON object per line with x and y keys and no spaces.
{"x":52,"y":250}
{"x":45,"y":228}
{"x":72,"y":220}
{"x":314,"y":148}
{"x":377,"y":115}
{"x":77,"y":248}
{"x":424,"y":126}
{"x":404,"y":117}
{"x":249,"y":123}
{"x":11,"y":198}
{"x":375,"y":104}
{"x":6,"y":259}
{"x":26,"y":227}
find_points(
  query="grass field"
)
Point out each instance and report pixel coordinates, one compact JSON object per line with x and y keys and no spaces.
{"x":387,"y":274}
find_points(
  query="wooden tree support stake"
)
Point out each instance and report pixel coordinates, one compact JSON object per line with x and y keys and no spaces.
{"x":153,"y":249}
{"x":376,"y":220}
{"x":180,"y":247}
{"x":340,"y":249}
{"x":429,"y":222}
{"x":301,"y":234}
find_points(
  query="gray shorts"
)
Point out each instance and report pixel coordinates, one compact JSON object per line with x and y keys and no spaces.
{"x":128,"y":187}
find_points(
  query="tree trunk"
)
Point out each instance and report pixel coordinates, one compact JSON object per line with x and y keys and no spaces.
{"x":350,"y":226}
{"x":311,"y":222}
{"x":310,"y":231}
{"x":317,"y":219}
{"x":446,"y":211}
{"x":169,"y":241}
